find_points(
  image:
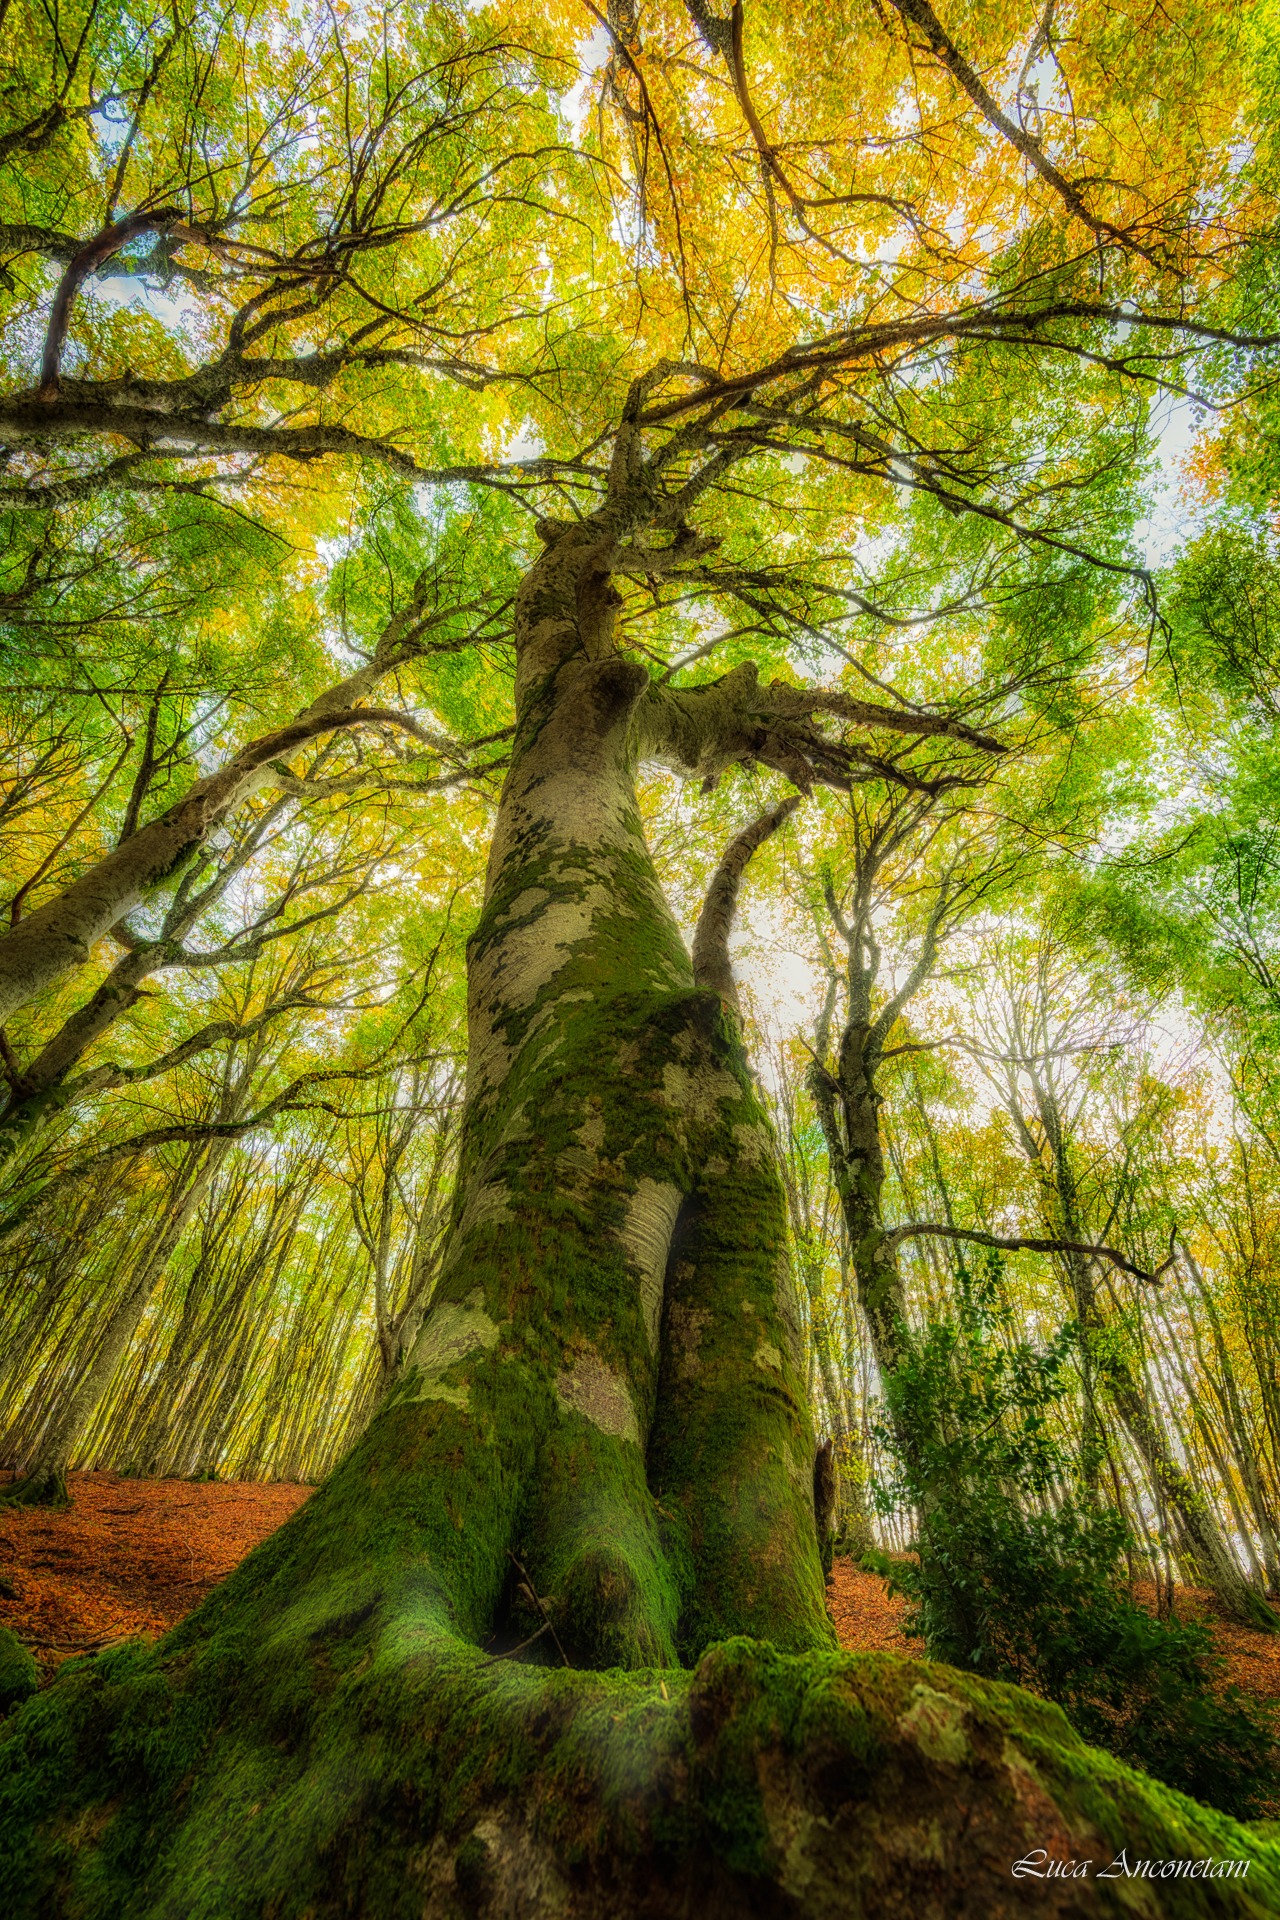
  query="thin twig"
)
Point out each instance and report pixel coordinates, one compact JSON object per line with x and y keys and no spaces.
{"x":511,"y":1652}
{"x":524,"y":1575}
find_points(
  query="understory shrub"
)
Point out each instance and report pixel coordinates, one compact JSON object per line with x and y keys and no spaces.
{"x":1017,"y":1571}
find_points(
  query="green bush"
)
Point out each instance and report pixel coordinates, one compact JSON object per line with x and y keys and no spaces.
{"x":1017,"y":1571}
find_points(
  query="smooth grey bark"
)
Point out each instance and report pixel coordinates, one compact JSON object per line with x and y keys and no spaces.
{"x":44,"y":1472}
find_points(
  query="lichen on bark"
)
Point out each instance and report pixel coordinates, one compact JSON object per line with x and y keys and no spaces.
{"x":552,"y":1636}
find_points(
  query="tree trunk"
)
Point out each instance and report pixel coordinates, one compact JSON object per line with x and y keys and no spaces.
{"x":613,"y":1346}
{"x":857,"y":1164}
{"x":45,"y":1479}
{"x":599,"y":1447}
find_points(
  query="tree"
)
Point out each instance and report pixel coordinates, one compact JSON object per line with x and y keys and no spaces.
{"x":1032,"y":1056}
{"x":599,"y":1452}
{"x":606,"y":1399}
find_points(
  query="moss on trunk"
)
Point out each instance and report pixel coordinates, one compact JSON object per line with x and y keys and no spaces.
{"x":370,"y":1766}
{"x":42,"y":1487}
{"x":600,"y":1444}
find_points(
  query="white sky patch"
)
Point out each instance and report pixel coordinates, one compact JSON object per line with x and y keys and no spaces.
{"x":592,"y":55}
{"x":527,"y":444}
{"x":1166,"y":526}
{"x":179,"y":312}
{"x":784,"y":986}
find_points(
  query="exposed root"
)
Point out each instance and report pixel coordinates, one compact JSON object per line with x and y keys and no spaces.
{"x":42,"y":1487}
{"x":388,"y":1770}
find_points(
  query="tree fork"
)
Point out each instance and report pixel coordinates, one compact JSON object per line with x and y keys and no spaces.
{"x":607,"y":1389}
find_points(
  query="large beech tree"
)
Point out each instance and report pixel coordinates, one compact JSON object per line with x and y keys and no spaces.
{"x":600,"y":1444}
{"x":551,"y":1637}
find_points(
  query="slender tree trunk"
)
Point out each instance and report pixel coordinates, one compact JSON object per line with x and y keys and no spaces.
{"x":45,"y":1478}
{"x":857,"y":1164}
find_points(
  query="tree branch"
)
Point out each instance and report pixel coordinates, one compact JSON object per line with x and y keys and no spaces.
{"x":711,"y":967}
{"x":1016,"y":1243}
{"x":82,"y":263}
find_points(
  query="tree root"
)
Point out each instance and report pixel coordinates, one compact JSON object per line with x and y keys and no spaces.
{"x":40,"y":1488}
{"x":393,"y":1771}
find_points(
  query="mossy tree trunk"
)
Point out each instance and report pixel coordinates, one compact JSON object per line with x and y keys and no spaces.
{"x":611,"y":1373}
{"x":599,"y":1443}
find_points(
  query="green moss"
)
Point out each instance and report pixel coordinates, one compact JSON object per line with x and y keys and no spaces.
{"x":19,"y":1674}
{"x":148,"y":1784}
{"x":42,"y":1488}
{"x":732,"y":1447}
{"x":599,"y":1054}
{"x":599,"y":1553}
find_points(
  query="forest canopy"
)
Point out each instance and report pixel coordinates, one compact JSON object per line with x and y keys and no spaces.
{"x":638,"y":696}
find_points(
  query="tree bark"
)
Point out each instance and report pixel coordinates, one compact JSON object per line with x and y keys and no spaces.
{"x":599,"y":1455}
{"x":614,"y":1310}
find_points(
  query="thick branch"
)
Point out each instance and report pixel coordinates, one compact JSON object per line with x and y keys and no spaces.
{"x":711,"y":966}
{"x":137,"y":1144}
{"x":699,"y":732}
{"x":989,"y":322}
{"x":110,"y":1075}
{"x":26,"y":418}
{"x":60,"y":935}
{"x":82,"y":263}
{"x":23,"y":238}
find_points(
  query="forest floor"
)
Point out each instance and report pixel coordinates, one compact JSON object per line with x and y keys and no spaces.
{"x":128,"y":1557}
{"x":133,"y":1556}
